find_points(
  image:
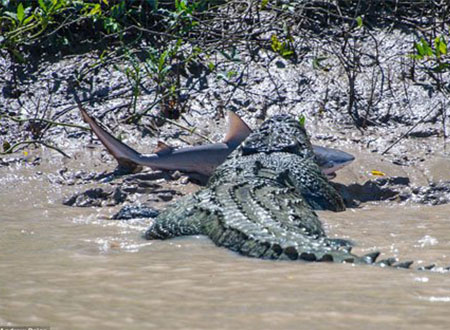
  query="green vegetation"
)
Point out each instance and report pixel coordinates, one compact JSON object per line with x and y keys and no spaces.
{"x":30,"y":22}
{"x":285,"y":48}
{"x":436,"y":54}
{"x":434,"y":61}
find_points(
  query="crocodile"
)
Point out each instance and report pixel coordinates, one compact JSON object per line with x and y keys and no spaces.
{"x":260,"y":202}
{"x":201,"y":159}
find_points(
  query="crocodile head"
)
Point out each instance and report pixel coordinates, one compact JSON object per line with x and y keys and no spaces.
{"x":280,"y":133}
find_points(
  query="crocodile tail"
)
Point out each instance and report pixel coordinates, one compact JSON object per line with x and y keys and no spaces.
{"x":327,"y":252}
{"x":267,"y":246}
{"x":395,"y":263}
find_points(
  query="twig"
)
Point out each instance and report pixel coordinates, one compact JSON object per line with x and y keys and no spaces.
{"x":11,"y":149}
{"x":190,"y":130}
{"x":19,"y":120}
{"x":444,"y":117}
{"x":409,"y":131}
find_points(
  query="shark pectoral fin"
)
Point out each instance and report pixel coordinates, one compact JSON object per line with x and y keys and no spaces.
{"x":163,"y":148}
{"x":126,"y":166}
{"x":237,"y":129}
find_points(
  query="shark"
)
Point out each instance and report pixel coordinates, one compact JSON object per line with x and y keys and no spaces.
{"x":201,"y":159}
{"x":331,"y":160}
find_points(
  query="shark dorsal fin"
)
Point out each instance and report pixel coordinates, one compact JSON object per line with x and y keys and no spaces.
{"x":163,"y":148}
{"x":237,"y":129}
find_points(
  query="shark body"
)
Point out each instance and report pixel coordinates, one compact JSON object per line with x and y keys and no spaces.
{"x":201,"y":159}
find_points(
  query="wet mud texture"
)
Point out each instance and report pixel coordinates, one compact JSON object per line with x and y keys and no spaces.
{"x":154,"y":186}
{"x":394,"y":189}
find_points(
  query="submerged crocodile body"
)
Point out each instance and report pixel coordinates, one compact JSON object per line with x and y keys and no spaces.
{"x":260,"y":202}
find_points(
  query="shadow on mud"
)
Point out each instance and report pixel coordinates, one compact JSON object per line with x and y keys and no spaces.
{"x":393,"y":189}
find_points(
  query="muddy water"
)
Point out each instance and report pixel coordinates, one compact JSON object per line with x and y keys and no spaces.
{"x":69,"y":269}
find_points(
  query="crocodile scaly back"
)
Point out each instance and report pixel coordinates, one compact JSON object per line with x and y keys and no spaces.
{"x":260,"y":202}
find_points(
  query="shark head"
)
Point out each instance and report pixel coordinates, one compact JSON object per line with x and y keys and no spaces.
{"x":330,"y":160}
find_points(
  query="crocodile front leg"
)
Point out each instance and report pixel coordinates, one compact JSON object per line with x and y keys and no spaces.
{"x":181,"y":218}
{"x":308,"y":179}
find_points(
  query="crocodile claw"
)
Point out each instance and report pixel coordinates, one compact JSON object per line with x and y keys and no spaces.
{"x":387,"y":262}
{"x":404,"y":264}
{"x":429,"y":267}
{"x":370,"y":258}
{"x":339,"y":243}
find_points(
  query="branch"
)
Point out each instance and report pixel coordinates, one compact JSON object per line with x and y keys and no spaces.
{"x":11,"y":149}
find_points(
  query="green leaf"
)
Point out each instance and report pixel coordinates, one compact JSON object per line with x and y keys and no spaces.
{"x":231,"y":74}
{"x":442,"y":46}
{"x":162,"y":60}
{"x":415,"y":56}
{"x":96,"y":10}
{"x":419,"y":49}
{"x":359,"y":21}
{"x":426,"y":47}
{"x":301,"y":120}
{"x":181,"y":5}
{"x":275,"y":43}
{"x":436,"y":46}
{"x":287,"y":53}
{"x":20,"y":13}
{"x":42,"y":5}
{"x":264,"y":4}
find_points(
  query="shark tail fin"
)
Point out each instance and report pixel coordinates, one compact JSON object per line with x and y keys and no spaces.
{"x":126,"y":157}
{"x":237,"y":129}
